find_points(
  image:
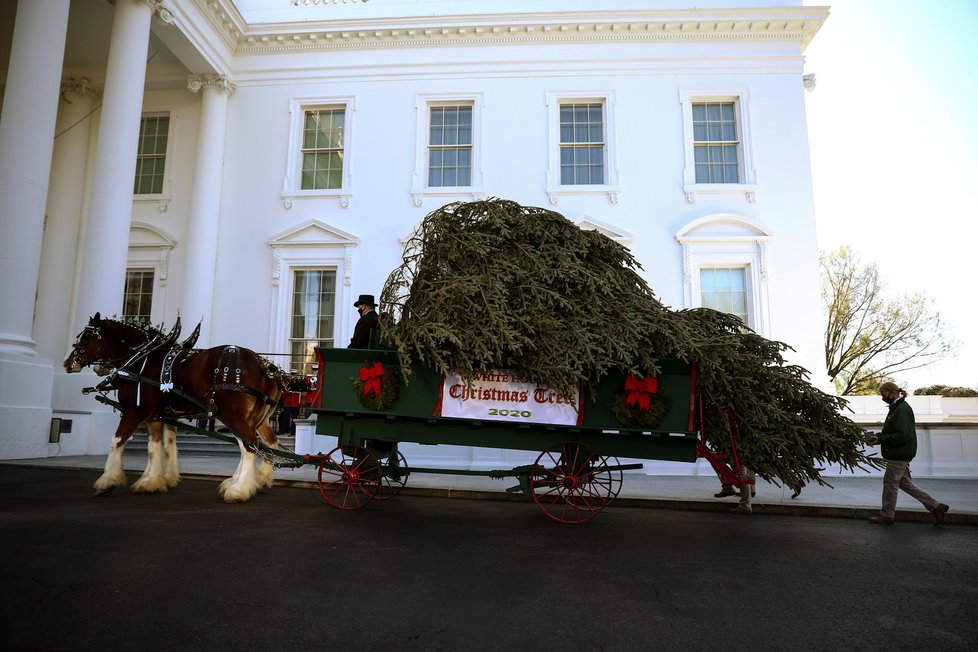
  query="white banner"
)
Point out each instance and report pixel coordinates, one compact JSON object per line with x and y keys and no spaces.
{"x":500,"y":396}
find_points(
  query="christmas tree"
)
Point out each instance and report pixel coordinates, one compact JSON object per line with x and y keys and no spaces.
{"x":497,"y":285}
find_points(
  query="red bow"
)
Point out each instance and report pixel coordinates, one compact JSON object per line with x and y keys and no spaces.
{"x":371,"y":378}
{"x":639,"y":390}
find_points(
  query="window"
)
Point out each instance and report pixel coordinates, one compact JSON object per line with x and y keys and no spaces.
{"x":313,"y":308}
{"x":154,"y":132}
{"x":450,"y":146}
{"x":322,"y":149}
{"x":725,"y":289}
{"x":715,"y":144}
{"x":718,"y":154}
{"x":725,"y":267}
{"x":137,"y":302}
{"x":581,"y":144}
{"x":448,"y":154}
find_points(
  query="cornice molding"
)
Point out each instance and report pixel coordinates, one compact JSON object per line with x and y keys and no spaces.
{"x":798,"y":24}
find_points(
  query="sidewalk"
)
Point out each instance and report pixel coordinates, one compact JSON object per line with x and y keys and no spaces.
{"x":849,"y":497}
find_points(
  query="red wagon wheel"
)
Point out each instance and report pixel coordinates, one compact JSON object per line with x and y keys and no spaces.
{"x":571,"y":483}
{"x":349,"y":477}
{"x":395,"y":475}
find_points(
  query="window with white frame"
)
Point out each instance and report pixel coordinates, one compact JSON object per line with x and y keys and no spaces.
{"x":450,"y":146}
{"x":725,"y":289}
{"x":725,"y":267}
{"x":137,"y":301}
{"x":320,"y":149}
{"x":581,"y":143}
{"x":718,"y":152}
{"x":154,"y":135}
{"x":312,"y":291}
{"x":312,"y":317}
{"x":448,"y":160}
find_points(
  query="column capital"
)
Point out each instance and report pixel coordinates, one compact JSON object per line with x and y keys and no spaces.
{"x":221,"y":82}
{"x":162,"y":13}
{"x":78,"y":86}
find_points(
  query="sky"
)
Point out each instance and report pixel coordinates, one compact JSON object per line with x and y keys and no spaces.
{"x":893,"y":129}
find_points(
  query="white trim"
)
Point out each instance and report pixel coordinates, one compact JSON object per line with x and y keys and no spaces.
{"x":291,"y":190}
{"x":419,"y":180}
{"x":728,"y":240}
{"x":310,"y":245}
{"x":740,"y":96}
{"x":149,"y":248}
{"x":163,"y":198}
{"x":611,"y":187}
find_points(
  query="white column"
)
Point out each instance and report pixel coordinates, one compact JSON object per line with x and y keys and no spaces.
{"x":30,"y":110}
{"x":53,"y":315}
{"x":205,"y":202}
{"x":106,"y":239}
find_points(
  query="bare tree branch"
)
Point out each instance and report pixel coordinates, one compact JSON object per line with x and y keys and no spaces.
{"x":870,"y":337}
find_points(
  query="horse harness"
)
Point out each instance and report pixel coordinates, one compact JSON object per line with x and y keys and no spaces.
{"x":227,"y":377}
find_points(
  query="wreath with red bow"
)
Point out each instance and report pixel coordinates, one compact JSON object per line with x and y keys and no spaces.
{"x":640,"y":405}
{"x":376,"y":386}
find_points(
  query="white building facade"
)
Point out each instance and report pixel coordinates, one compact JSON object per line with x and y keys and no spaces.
{"x":258,"y":165}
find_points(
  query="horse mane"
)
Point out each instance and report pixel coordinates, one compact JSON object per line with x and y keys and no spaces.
{"x":137,"y":324}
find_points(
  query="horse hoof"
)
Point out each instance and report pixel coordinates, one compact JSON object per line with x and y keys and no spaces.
{"x":103,"y":491}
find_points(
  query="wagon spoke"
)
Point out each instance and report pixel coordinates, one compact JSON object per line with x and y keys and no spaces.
{"x":571,"y":483}
{"x":348,"y":477}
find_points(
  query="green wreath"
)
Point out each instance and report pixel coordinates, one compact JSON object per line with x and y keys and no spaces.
{"x":376,"y":386}
{"x":629,"y":406}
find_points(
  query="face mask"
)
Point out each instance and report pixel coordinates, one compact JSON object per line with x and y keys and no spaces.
{"x":888,"y":400}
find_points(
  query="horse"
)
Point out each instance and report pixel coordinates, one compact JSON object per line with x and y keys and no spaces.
{"x":157,"y":379}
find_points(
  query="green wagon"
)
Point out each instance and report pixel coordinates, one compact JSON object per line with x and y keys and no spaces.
{"x":579,"y":439}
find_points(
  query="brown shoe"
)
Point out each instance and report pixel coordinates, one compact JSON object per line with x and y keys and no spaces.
{"x":742,"y":509}
{"x":880,"y":520}
{"x":726,"y":490}
{"x":938,"y":514}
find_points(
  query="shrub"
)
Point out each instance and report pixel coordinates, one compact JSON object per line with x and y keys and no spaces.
{"x":946,"y":390}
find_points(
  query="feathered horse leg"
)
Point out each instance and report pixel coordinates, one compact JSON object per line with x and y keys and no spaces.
{"x":153,"y":479}
{"x":171,"y":464}
{"x":113,"y":475}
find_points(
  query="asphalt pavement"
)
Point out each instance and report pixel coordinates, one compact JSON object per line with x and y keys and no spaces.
{"x":847,"y":497}
{"x":186,"y":571}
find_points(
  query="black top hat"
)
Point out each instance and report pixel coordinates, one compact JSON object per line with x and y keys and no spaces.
{"x":365,"y":300}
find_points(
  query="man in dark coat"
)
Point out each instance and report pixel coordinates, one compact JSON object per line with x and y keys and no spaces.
{"x":369,"y":321}
{"x":898,"y":444}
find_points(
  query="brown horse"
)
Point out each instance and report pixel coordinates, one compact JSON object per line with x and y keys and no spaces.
{"x":157,"y":378}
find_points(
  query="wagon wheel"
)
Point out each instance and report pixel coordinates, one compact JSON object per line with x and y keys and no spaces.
{"x":349,"y":477}
{"x":571,"y":483}
{"x":395,"y":475}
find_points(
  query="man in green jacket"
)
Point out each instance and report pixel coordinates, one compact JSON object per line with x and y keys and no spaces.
{"x":898,"y":443}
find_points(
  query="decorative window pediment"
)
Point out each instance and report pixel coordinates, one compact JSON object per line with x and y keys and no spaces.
{"x":314,"y":233}
{"x":723,"y":227}
{"x":618,"y":235}
{"x":150,"y":247}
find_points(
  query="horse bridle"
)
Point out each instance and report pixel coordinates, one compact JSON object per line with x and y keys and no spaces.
{"x":78,"y":350}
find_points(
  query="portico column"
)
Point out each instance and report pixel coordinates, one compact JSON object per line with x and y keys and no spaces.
{"x":205,"y":202}
{"x":55,"y":284}
{"x":106,"y":238}
{"x":30,"y":111}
